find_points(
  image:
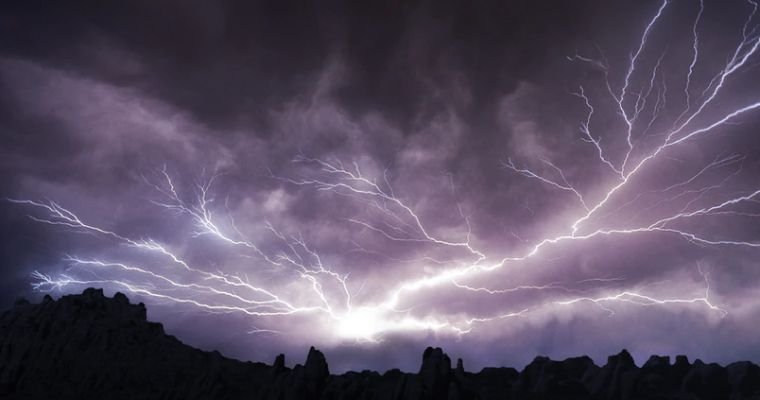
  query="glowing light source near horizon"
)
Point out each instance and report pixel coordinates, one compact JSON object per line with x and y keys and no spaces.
{"x":327,"y":286}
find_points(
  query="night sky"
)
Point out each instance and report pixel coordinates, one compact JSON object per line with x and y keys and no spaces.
{"x":501,"y":179}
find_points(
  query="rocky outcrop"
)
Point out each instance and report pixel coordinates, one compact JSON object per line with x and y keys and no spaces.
{"x":89,"y":346}
{"x":547,"y":379}
{"x":435,"y":374}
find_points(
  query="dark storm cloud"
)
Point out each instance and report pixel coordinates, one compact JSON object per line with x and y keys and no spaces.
{"x":98,"y":97}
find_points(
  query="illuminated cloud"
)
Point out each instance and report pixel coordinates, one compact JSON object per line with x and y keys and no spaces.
{"x":603,"y":197}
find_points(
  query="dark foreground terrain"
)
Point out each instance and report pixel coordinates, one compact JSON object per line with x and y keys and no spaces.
{"x":90,"y":346}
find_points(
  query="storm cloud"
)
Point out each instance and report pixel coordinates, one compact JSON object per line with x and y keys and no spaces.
{"x":354,"y":159}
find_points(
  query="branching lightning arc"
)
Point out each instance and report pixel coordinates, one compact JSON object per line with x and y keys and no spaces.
{"x":306,"y":284}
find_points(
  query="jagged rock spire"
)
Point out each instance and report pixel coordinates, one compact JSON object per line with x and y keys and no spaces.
{"x":92,"y":346}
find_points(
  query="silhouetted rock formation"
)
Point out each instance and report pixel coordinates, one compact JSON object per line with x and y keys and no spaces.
{"x":89,"y":346}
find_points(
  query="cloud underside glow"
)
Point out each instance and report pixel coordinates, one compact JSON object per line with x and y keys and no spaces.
{"x":639,"y":221}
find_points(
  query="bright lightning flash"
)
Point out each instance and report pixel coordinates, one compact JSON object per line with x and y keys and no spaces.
{"x":315,"y":288}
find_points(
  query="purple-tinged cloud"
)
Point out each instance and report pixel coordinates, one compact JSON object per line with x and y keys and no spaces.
{"x":599,"y":196}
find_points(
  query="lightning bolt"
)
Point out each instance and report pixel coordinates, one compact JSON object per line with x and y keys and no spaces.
{"x":313,"y":287}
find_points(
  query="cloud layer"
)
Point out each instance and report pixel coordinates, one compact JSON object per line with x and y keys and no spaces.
{"x":375,"y":153}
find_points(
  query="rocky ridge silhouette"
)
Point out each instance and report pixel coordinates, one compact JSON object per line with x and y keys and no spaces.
{"x":90,"y":346}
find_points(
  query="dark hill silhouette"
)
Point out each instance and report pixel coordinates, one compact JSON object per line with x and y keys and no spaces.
{"x":90,"y":346}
